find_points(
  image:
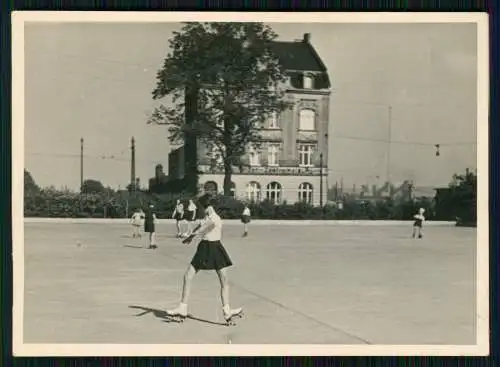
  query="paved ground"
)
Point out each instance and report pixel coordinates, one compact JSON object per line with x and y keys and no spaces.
{"x":298,"y":284}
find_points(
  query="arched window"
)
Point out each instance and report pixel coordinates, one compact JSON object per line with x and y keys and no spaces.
{"x":306,"y":192}
{"x":273,"y":192}
{"x":307,"y":120}
{"x":210,"y":187}
{"x":253,"y":191}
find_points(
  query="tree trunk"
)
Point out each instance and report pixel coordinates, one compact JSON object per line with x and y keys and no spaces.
{"x":190,"y":142}
{"x":228,"y":171}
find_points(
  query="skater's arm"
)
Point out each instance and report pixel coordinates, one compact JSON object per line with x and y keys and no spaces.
{"x":202,"y":229}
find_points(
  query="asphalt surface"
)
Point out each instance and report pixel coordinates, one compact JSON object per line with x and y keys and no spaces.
{"x":322,"y":284}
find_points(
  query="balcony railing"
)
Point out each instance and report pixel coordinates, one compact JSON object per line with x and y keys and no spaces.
{"x":264,"y":170}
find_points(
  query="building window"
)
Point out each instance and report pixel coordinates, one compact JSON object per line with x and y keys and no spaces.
{"x":253,"y":191}
{"x":273,"y":121}
{"x":273,"y":155}
{"x":308,"y":82}
{"x":210,"y":187}
{"x":273,"y":192}
{"x":216,"y":156}
{"x":253,"y":157}
{"x":306,"y":193}
{"x":306,"y":155}
{"x":233,"y":189}
{"x":307,"y":120}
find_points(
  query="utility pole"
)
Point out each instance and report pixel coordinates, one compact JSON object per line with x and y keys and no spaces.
{"x":132,"y":165}
{"x":321,"y":179}
{"x":81,"y":165}
{"x":389,"y":138}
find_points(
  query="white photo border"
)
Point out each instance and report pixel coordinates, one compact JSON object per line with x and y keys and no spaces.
{"x":19,"y":18}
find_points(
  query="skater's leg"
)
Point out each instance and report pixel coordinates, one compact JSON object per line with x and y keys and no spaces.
{"x":224,"y":292}
{"x":224,"y":287}
{"x":178,"y":226}
{"x":186,"y":286}
{"x":182,"y":309}
{"x":414,"y":231}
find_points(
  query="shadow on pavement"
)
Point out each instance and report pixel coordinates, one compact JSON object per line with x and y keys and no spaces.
{"x":161,"y":314}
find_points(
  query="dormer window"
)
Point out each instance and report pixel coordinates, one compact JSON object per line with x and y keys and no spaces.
{"x":308,"y":82}
{"x":273,"y":121}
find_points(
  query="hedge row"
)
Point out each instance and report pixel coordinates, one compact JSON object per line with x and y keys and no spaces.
{"x":71,"y":205}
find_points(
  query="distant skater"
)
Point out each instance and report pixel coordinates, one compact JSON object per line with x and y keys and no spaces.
{"x":418,"y":224}
{"x":210,"y":255}
{"x":178,"y":215}
{"x":136,"y":221}
{"x":245,"y":219}
{"x":190,"y":217}
{"x":150,"y":222}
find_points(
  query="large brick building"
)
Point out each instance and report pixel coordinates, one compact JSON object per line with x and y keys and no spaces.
{"x":292,"y":158}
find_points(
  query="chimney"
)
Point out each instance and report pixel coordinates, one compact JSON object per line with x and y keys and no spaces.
{"x":307,"y":37}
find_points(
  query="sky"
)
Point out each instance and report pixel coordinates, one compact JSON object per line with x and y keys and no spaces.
{"x":414,"y":85}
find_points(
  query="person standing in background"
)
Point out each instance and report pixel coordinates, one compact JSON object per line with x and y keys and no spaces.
{"x":245,"y":219}
{"x":150,"y":222}
{"x":136,"y":221}
{"x":190,"y":217}
{"x":178,"y":215}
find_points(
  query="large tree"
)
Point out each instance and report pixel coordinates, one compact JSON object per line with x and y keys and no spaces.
{"x":30,"y":187}
{"x":224,"y":81}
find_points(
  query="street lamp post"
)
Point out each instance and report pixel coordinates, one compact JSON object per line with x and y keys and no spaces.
{"x":321,"y":179}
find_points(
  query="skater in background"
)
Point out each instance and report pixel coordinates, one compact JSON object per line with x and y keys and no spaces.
{"x":150,"y":222}
{"x":245,"y":219}
{"x":210,"y":255}
{"x":419,"y":221}
{"x":136,"y":221}
{"x":190,"y":217}
{"x":178,"y":215}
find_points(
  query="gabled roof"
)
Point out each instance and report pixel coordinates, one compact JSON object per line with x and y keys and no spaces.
{"x":299,"y":55}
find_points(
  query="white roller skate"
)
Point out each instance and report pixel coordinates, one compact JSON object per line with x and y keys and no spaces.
{"x":231,"y":314}
{"x":178,"y":314}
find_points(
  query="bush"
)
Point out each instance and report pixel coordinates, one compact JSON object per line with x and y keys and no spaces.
{"x":53,"y":203}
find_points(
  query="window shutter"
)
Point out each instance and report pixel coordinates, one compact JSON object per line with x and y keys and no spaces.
{"x":316,"y":160}
{"x":263,"y":151}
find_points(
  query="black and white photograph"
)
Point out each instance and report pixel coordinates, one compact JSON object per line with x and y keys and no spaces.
{"x":155,"y":153}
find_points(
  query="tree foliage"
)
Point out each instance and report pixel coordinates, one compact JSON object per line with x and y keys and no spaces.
{"x":230,"y":74}
{"x":92,"y":186}
{"x":30,"y":187}
{"x":464,"y":194}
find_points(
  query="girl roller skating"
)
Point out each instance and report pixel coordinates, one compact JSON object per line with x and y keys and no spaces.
{"x":150,"y":222}
{"x":418,"y":224}
{"x":178,"y":215}
{"x":210,"y":255}
{"x":136,"y":221}
{"x":245,"y":219}
{"x":190,"y":217}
